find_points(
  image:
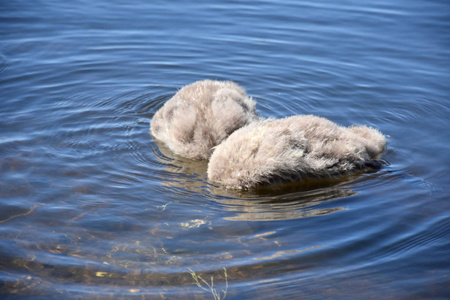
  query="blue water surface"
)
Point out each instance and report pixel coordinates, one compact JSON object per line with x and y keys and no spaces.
{"x":92,"y":208}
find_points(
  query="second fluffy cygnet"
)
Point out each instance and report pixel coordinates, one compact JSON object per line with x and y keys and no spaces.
{"x":292,"y":148}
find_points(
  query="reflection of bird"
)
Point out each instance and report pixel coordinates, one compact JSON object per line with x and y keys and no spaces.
{"x":200,"y":116}
{"x":293,"y":148}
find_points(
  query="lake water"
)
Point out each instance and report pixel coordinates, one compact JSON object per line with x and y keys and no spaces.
{"x":92,"y":208}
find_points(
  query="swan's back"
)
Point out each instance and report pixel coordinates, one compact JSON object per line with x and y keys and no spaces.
{"x":291,"y":149}
{"x":200,"y":116}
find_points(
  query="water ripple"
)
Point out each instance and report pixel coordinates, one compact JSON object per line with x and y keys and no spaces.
{"x":93,"y":207}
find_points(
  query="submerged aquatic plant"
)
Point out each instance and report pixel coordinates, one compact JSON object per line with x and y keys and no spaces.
{"x":218,"y":295}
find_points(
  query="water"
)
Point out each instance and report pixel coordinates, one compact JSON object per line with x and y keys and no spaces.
{"x":92,"y":208}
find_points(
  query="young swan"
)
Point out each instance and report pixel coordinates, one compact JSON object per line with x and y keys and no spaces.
{"x":293,"y":148}
{"x":200,"y":116}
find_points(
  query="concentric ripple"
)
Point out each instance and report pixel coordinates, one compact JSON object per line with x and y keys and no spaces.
{"x":92,"y":207}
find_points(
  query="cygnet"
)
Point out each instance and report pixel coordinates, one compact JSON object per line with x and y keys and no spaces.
{"x":291,"y":149}
{"x":200,"y":116}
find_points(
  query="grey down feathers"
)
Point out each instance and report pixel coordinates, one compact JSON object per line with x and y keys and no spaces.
{"x":216,"y":120}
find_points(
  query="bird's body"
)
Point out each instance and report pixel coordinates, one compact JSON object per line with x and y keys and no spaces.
{"x":292,"y":148}
{"x":200,"y":116}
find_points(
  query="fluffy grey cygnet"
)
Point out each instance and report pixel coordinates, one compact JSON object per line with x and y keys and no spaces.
{"x":201,"y":115}
{"x":292,"y":148}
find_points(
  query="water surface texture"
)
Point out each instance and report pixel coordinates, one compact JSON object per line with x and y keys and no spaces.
{"x":92,"y":208}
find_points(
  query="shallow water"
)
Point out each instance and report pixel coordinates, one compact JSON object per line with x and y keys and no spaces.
{"x":92,"y":208}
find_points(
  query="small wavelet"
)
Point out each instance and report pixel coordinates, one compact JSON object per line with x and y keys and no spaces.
{"x":3,"y":63}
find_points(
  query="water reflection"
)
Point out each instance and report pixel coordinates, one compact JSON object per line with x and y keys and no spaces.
{"x":177,"y":164}
{"x":281,"y":202}
{"x":295,"y":206}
